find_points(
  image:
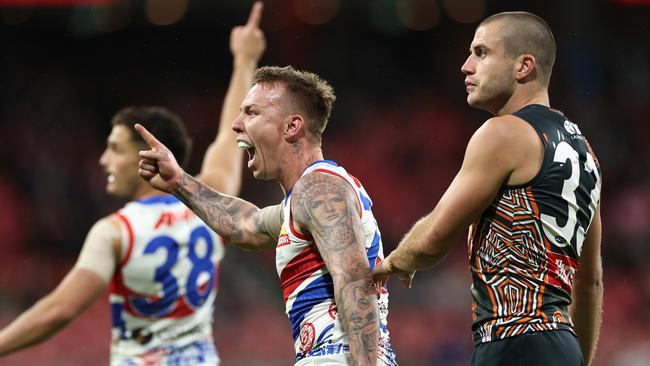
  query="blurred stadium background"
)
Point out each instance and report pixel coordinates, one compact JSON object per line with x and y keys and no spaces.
{"x":400,"y":125}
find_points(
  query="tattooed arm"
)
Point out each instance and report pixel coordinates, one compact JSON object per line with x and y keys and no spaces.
{"x":238,"y":221}
{"x":326,"y":206}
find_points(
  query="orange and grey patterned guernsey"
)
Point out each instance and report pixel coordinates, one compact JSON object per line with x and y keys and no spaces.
{"x":525,"y":248}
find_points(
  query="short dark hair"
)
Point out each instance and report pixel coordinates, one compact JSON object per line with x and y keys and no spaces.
{"x":528,"y":33}
{"x":167,"y":126}
{"x":313,"y":94}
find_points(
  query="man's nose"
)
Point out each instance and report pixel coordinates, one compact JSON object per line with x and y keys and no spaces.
{"x":467,"y":67}
{"x":237,"y":124}
{"x":102,"y":159}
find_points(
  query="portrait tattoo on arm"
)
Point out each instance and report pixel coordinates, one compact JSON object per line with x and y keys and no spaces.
{"x":327,"y":207}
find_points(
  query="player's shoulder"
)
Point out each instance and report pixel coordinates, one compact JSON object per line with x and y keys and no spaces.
{"x":504,"y":125}
{"x":493,"y":133}
{"x":313,"y":187}
{"x":111,"y":220}
{"x":507,"y":131}
{"x":503,"y":142}
{"x":318,"y":181}
{"x":107,"y":227}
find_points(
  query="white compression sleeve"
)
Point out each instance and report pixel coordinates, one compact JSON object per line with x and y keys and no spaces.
{"x":272,"y":217}
{"x":98,"y":254}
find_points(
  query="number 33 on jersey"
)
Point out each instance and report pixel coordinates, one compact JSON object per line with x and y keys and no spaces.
{"x":525,"y":249}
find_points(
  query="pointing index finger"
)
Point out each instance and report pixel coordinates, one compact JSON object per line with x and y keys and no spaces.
{"x":150,"y":139}
{"x":256,"y":15}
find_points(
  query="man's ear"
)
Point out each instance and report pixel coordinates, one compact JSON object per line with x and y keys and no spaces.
{"x":525,"y":67}
{"x":294,"y":128}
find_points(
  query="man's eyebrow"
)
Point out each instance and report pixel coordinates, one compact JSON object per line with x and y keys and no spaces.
{"x":247,"y":107}
{"x":478,"y":46}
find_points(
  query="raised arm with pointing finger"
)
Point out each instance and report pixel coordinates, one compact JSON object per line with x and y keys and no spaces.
{"x":222,"y":165}
{"x":324,"y":233}
{"x":161,"y":310}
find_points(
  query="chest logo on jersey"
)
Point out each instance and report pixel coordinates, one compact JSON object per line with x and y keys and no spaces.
{"x":283,"y":239}
{"x":169,"y":218}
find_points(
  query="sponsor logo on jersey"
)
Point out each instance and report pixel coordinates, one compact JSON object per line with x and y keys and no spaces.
{"x":169,"y":218}
{"x":562,"y":270}
{"x":571,"y":127}
{"x":332,"y":311}
{"x":283,"y":239}
{"x":307,"y":337}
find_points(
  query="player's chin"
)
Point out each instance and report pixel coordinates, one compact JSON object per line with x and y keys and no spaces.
{"x":258,"y":174}
{"x":472,"y":100}
{"x":476,"y":103}
{"x":110,"y":189}
{"x":115,"y":192}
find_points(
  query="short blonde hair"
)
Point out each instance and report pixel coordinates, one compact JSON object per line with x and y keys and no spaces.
{"x":311,"y":93}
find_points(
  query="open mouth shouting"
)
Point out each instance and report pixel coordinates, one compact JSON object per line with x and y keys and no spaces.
{"x":249,"y":148}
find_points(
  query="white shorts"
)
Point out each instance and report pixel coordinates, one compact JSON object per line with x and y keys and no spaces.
{"x":331,"y":360}
{"x":197,"y":353}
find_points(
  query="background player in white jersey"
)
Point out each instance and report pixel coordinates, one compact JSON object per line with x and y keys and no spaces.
{"x":327,"y":240}
{"x":159,"y":258}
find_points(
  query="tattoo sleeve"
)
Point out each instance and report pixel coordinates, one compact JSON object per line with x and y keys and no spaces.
{"x":233,"y":218}
{"x":327,"y":207}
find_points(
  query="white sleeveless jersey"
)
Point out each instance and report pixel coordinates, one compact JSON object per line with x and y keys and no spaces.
{"x":307,"y":285}
{"x":162,"y":294}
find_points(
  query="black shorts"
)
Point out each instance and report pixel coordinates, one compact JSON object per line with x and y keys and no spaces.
{"x":559,"y":347}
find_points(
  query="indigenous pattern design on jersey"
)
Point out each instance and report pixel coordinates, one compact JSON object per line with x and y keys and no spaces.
{"x":525,"y":248}
{"x":162,"y":294}
{"x":307,"y":285}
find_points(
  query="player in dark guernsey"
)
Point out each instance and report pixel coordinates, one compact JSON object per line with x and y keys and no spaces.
{"x":529,"y":188}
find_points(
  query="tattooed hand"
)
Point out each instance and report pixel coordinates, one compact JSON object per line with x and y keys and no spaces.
{"x":158,"y":165}
{"x":327,"y":207}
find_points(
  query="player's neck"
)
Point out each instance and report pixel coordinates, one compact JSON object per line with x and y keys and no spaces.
{"x":296,"y":164}
{"x":522,"y":98}
{"x":145,"y":191}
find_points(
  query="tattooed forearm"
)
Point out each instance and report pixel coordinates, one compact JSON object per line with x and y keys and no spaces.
{"x":221,"y":212}
{"x":327,"y":207}
{"x":357,"y":307}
